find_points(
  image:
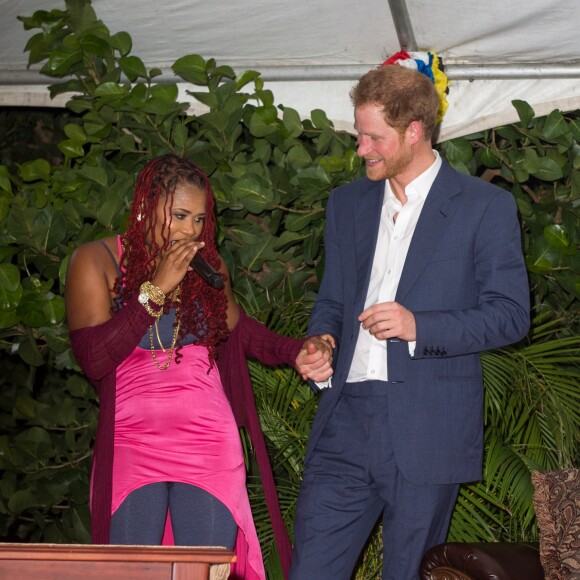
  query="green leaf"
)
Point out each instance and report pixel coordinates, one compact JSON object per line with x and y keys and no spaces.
{"x":96,"y":174}
{"x":252,"y":196}
{"x":9,"y":277}
{"x":50,"y":229}
{"x":245,"y":78}
{"x":110,"y":209}
{"x":525,"y":111}
{"x":21,"y":500}
{"x":215,"y":119}
{"x":298,"y":222}
{"x":458,"y":150}
{"x":166,"y":93}
{"x":542,"y":257}
{"x":548,"y":170}
{"x":110,"y":89}
{"x":79,"y":104}
{"x":311,"y":179}
{"x":179,"y":135}
{"x":122,"y":42}
{"x":557,"y":236}
{"x":54,"y":310}
{"x":9,"y":318}
{"x":71,"y":149}
{"x":75,"y":132}
{"x":191,"y":68}
{"x":28,"y":350}
{"x":34,"y":442}
{"x":264,"y":121}
{"x":60,"y":62}
{"x":9,"y":301}
{"x":208,"y":99}
{"x":319,"y":119}
{"x":531,"y":161}
{"x":5,"y":184}
{"x":292,"y":122}
{"x":95,"y":46}
{"x":555,"y":126}
{"x":133,"y":67}
{"x":298,"y":157}
{"x":39,"y":169}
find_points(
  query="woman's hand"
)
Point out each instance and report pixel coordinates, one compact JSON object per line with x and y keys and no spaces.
{"x":314,"y":361}
{"x":174,"y":264}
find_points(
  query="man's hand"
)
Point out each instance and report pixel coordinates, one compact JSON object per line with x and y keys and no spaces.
{"x":389,"y":320}
{"x":314,"y":361}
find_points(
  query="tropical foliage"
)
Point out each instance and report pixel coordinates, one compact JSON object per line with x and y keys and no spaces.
{"x":68,"y":179}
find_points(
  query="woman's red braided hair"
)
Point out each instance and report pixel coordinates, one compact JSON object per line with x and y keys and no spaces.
{"x":203,"y":308}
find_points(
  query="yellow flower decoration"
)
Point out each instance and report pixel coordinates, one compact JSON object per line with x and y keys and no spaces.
{"x":430,"y":65}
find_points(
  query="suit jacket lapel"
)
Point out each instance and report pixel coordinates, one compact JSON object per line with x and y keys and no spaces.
{"x":367,"y":216}
{"x":433,"y":221}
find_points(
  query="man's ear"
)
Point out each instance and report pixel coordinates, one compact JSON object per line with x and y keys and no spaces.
{"x":415,"y":132}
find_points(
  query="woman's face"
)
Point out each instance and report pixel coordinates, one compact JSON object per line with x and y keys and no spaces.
{"x":186,"y":217}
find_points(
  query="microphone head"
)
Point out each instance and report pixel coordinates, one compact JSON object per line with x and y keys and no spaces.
{"x":215,"y":281}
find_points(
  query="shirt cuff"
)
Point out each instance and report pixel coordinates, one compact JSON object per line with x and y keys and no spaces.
{"x":324,"y":384}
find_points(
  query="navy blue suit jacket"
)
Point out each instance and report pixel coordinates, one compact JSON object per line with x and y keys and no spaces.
{"x":464,"y":280}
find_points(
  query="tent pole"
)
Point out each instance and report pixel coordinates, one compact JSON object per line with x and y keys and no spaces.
{"x":561,"y":70}
{"x":403,"y":25}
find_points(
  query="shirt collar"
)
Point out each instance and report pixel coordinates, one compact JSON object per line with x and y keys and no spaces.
{"x":419,"y":187}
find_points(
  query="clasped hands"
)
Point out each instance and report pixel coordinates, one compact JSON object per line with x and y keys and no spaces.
{"x":385,"y":320}
{"x":314,"y":361}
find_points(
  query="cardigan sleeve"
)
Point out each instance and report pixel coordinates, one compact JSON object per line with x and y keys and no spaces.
{"x":260,"y":343}
{"x":100,"y":349}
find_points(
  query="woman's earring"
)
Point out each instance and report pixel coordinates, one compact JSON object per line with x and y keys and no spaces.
{"x":139,"y":217}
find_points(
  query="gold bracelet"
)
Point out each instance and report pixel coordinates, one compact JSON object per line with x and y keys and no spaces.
{"x":148,"y":292}
{"x":155,"y":313}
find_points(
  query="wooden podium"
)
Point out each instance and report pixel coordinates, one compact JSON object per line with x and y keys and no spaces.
{"x":95,"y":562}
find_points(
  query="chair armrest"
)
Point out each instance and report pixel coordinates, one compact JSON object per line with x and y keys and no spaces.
{"x":482,"y":561}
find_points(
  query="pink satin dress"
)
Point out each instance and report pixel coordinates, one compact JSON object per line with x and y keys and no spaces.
{"x":177,"y":425}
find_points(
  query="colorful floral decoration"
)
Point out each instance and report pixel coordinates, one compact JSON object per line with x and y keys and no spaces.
{"x":430,"y":65}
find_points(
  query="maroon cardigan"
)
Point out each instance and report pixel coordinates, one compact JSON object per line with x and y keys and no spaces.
{"x":100,"y":349}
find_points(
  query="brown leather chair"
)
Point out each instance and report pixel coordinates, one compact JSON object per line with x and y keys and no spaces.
{"x":485,"y":561}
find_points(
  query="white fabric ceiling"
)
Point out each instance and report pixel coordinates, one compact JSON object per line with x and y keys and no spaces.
{"x":311,"y":52}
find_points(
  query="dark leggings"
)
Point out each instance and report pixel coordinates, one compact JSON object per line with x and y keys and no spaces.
{"x":197,"y":517}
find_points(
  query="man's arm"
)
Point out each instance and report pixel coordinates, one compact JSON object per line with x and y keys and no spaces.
{"x":327,"y":315}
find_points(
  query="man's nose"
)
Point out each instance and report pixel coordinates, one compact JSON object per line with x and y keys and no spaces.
{"x":362,"y":147}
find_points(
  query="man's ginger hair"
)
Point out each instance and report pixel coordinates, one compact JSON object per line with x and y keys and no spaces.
{"x":404,"y":94}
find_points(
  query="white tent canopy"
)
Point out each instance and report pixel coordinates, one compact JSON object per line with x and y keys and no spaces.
{"x":311,"y":52}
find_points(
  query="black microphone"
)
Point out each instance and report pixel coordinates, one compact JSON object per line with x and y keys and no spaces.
{"x":207,"y":272}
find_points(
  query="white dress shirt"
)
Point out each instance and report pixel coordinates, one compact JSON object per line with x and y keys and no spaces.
{"x":396,"y":230}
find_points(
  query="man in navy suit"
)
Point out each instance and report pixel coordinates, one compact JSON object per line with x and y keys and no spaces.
{"x":424,"y":270}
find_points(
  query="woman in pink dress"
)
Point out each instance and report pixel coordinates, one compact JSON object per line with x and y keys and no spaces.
{"x":146,"y":328}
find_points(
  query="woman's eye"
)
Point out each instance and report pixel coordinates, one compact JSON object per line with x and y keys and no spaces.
{"x":200,"y":219}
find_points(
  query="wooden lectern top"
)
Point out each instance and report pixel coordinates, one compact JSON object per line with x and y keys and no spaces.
{"x":105,"y":562}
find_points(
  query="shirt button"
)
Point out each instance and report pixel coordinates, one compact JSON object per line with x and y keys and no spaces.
{"x":372,"y":372}
{"x":389,"y":271}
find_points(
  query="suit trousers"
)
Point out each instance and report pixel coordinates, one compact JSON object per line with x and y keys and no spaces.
{"x":350,"y":479}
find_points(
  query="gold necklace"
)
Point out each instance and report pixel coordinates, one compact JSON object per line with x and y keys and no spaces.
{"x":169,"y":351}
